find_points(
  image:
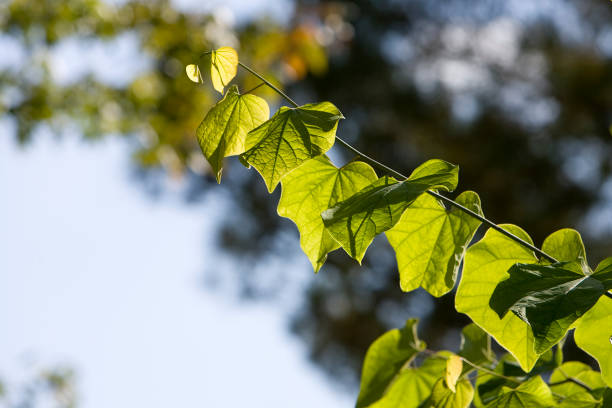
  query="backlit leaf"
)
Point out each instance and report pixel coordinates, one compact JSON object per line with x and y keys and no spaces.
{"x":223,"y":131}
{"x":289,"y":138}
{"x":430,"y":242}
{"x":533,"y":393}
{"x":444,"y":397}
{"x":454,"y":366}
{"x":547,"y":297}
{"x":312,"y":188}
{"x":356,"y":221}
{"x":594,"y":335}
{"x":413,"y":385}
{"x":486,"y":264}
{"x":193,"y":73}
{"x":573,"y":394}
{"x":565,"y":245}
{"x":384,"y":360}
{"x":223,"y":67}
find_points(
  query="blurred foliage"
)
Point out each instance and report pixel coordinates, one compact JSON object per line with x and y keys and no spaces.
{"x":53,"y":387}
{"x":518,"y":94}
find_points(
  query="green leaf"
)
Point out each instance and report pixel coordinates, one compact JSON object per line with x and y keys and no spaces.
{"x":547,"y":297}
{"x":385,"y":359}
{"x":565,"y":245}
{"x":476,"y":345}
{"x":413,"y":386}
{"x":378,"y":207}
{"x":454,"y":366}
{"x":224,"y":129}
{"x":312,"y":188}
{"x":443,"y":397}
{"x":533,"y":393}
{"x":594,"y":333}
{"x":289,"y":138}
{"x":223,"y":67}
{"x":430,"y":242}
{"x":574,"y":394}
{"x":486,"y":264}
{"x":193,"y":73}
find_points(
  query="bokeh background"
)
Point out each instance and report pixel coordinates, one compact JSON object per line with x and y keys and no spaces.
{"x":128,"y":277}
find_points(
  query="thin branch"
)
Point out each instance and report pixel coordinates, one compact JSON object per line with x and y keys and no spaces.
{"x":401,"y":177}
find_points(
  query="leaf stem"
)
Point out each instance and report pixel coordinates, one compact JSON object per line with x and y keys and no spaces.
{"x":265,"y":81}
{"x":401,"y":177}
{"x":254,"y":88}
{"x":572,"y":380}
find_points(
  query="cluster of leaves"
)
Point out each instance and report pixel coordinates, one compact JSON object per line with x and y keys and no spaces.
{"x":347,"y":207}
{"x":399,"y":371}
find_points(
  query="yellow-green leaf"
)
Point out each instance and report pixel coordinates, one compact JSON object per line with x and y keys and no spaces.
{"x":486,"y":264}
{"x":385,"y":359}
{"x":444,"y":397}
{"x":193,"y":73}
{"x":430,"y":242}
{"x":312,"y":188}
{"x":223,"y":67}
{"x":289,"y":138}
{"x":573,"y":394}
{"x":414,"y":385}
{"x":454,"y":366}
{"x":356,"y":221}
{"x":533,"y":393}
{"x":224,"y":129}
{"x":594,"y":335}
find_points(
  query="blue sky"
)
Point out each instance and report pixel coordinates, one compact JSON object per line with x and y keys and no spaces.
{"x":97,"y":276}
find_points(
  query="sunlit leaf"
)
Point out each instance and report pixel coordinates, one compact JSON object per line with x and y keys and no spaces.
{"x":565,"y":245}
{"x":573,"y":394}
{"x":312,"y":188}
{"x":413,"y":385}
{"x":548,"y":297}
{"x":385,"y":359}
{"x":223,"y":131}
{"x":193,"y":73}
{"x":533,"y":393}
{"x":476,"y":345}
{"x":594,"y":335}
{"x":454,"y":366}
{"x":289,"y":138}
{"x":223,"y":67}
{"x":430,"y":242}
{"x":356,"y":221}
{"x":444,"y":397}
{"x":486,"y":264}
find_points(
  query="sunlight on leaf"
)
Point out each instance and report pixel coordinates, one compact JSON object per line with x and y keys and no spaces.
{"x":593,"y":334}
{"x":356,"y":221}
{"x":289,"y":138}
{"x":533,"y":393}
{"x":486,"y":264}
{"x":413,"y":385}
{"x":312,"y":188}
{"x":430,"y":242}
{"x":454,"y":365}
{"x":575,"y":395}
{"x":193,"y":73}
{"x":224,"y":129}
{"x":444,"y":397}
{"x":385,"y":358}
{"x":223,"y":67}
